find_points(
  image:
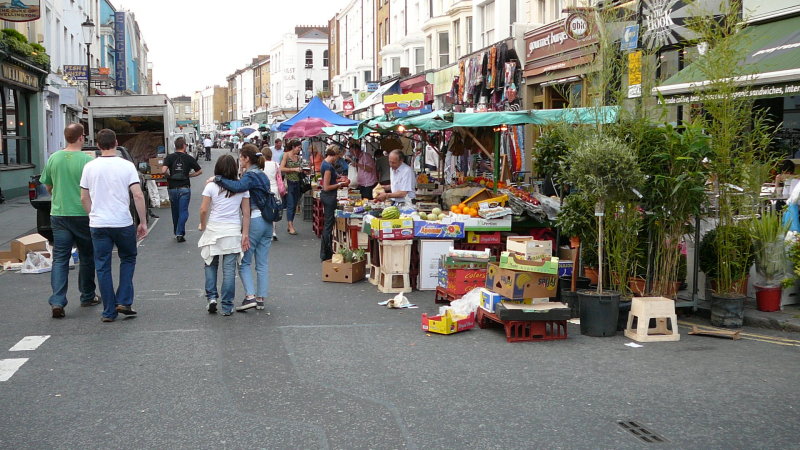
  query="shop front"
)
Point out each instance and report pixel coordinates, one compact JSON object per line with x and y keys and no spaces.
{"x":486,"y":80}
{"x":21,"y":145}
{"x":558,"y":58}
{"x":769,"y":74}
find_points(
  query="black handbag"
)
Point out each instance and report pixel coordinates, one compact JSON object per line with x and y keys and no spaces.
{"x":305,"y":183}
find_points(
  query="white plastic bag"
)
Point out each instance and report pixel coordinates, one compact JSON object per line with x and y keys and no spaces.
{"x":352,"y":175}
{"x":463,"y":306}
{"x":37,"y":262}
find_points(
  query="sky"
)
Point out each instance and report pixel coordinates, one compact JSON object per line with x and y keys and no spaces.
{"x":197,"y":44}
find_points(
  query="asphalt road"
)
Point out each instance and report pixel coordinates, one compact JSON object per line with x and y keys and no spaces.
{"x":325,"y":367}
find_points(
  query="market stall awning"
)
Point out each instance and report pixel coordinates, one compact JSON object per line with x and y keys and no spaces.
{"x":772,"y":56}
{"x":376,"y":97}
{"x":316,"y":109}
{"x":339,"y":129}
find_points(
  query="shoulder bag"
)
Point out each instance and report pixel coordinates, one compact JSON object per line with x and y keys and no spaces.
{"x":279,"y":181}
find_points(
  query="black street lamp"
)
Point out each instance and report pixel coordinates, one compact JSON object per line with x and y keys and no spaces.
{"x":88,"y":32}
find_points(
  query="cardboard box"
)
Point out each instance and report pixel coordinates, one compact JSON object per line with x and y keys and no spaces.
{"x":513,"y":261}
{"x":529,"y":247}
{"x":345,"y":272}
{"x":8,"y":257}
{"x":392,"y":229}
{"x":519,"y":285}
{"x":30,"y":243}
{"x":448,"y":323}
{"x":483,"y":194}
{"x":461,"y":281}
{"x":492,"y":202}
{"x":156,"y":164}
{"x":482,"y":224}
{"x":490,"y":300}
{"x":430,"y":254}
{"x":488,"y":238}
{"x":437,"y":230}
{"x":567,"y":254}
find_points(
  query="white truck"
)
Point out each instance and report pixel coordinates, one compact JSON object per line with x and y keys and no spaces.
{"x":145,"y":124}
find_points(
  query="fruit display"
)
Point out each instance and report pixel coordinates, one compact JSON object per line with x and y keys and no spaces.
{"x":525,"y":196}
{"x":464,"y":209}
{"x":390,"y":213}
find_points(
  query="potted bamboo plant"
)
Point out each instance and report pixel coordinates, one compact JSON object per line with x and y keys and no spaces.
{"x":605,"y":170}
{"x":768,"y":233}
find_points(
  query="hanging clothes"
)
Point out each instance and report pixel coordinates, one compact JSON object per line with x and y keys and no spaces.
{"x":493,"y":68}
{"x":461,"y":80}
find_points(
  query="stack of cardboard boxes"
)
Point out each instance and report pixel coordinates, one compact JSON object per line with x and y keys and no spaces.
{"x":15,"y":257}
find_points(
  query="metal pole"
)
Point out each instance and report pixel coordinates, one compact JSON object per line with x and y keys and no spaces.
{"x":496,"y":160}
{"x":88,"y":70}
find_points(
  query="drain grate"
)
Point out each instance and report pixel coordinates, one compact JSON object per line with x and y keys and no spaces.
{"x":640,"y":432}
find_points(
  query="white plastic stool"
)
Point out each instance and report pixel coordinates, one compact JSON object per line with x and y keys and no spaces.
{"x":660,"y":309}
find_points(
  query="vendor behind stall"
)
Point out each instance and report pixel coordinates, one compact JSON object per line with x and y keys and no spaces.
{"x":367,"y":173}
{"x":403,"y":181}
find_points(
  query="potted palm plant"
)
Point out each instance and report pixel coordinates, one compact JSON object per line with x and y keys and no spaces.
{"x":767,"y":234}
{"x":605,"y":170}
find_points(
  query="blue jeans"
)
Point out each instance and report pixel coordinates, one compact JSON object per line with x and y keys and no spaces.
{"x":260,"y":241}
{"x":292,"y":198}
{"x":104,"y":240}
{"x":228,"y":280}
{"x":69,"y":231}
{"x":179,"y":201}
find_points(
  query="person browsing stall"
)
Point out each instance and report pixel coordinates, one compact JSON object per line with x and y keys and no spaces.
{"x":403,"y":182}
{"x":330,"y":185}
{"x":367,"y":172}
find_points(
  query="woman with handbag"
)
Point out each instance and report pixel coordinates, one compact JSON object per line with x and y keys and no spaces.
{"x":330,"y":184}
{"x":292,"y":168}
{"x":260,"y":236}
{"x":273,"y":171}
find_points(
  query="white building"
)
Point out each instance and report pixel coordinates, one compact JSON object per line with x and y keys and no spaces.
{"x":356,"y":49}
{"x":298,"y":69}
{"x":244,"y":94}
{"x":406,"y":43}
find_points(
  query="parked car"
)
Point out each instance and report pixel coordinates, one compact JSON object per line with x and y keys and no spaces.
{"x":40,"y":199}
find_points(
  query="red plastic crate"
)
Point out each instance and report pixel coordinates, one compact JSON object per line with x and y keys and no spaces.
{"x":525,"y":330}
{"x":442,"y":296}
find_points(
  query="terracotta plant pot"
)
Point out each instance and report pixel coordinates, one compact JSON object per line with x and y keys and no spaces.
{"x":637,"y":285}
{"x":591,"y":274}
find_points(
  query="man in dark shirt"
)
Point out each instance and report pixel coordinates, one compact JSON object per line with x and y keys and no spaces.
{"x":180,"y":166}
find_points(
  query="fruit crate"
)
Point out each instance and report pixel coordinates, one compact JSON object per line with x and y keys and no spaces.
{"x":395,"y":256}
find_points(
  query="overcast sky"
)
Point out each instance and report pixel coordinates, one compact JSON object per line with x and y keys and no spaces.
{"x":197,"y":44}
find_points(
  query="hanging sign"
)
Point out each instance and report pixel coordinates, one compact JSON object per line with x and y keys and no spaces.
{"x":630,"y":38}
{"x":348,"y":106}
{"x":665,"y":22}
{"x":20,"y":10}
{"x":75,"y":71}
{"x":634,"y":74}
{"x":120,"y":72}
{"x":403,"y":102}
{"x":577,"y":26}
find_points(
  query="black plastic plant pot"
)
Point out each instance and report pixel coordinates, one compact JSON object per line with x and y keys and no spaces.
{"x":565,"y":283}
{"x":571,"y":299}
{"x":599,"y":313}
{"x":727,"y":310}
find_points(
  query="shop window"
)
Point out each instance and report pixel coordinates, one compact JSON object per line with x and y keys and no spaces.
{"x":16,"y":140}
{"x":309,"y":59}
{"x":444,"y":49}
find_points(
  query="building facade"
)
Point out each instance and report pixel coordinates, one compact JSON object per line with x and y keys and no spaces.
{"x":355,"y":67}
{"x":213,"y":108}
{"x":298,"y":69}
{"x":261,"y":89}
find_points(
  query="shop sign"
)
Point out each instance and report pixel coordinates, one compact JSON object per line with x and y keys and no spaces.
{"x":664,"y":22}
{"x":20,"y":10}
{"x":348,"y":106}
{"x":577,"y":26}
{"x":19,"y":76}
{"x":630,"y":38}
{"x":120,"y":72}
{"x":403,"y":102}
{"x":559,"y":37}
{"x":372,"y":87}
{"x":766,"y":91}
{"x":75,"y":71}
{"x":634,"y":74}
{"x":362,"y":96}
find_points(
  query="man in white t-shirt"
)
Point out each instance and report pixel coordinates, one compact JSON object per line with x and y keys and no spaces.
{"x":207,"y":146}
{"x":277,"y":151}
{"x":106,"y":185}
{"x":403,"y":181}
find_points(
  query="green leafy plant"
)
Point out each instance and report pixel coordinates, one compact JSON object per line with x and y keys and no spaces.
{"x":351,"y":256}
{"x":793,"y":256}
{"x":767,"y":233}
{"x":605,"y":170}
{"x":739,"y":262}
{"x":549,"y":151}
{"x":14,"y":34}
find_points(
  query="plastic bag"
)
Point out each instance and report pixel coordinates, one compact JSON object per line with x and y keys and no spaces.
{"x":352,"y":175}
{"x":469,"y":303}
{"x":398,"y":301}
{"x":37,"y":262}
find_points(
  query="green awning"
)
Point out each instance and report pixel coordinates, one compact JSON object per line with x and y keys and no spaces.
{"x":773,"y":56}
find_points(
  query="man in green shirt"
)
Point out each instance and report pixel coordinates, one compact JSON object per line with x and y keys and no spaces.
{"x":70,"y":222}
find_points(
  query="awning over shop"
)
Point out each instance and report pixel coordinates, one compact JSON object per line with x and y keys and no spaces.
{"x":376,"y":97}
{"x":317,"y":110}
{"x":773,"y":57}
{"x":443,"y":120}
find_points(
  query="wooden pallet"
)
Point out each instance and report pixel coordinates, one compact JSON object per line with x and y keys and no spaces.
{"x":735,"y":335}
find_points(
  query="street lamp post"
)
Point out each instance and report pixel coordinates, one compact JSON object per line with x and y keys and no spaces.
{"x":88,"y":32}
